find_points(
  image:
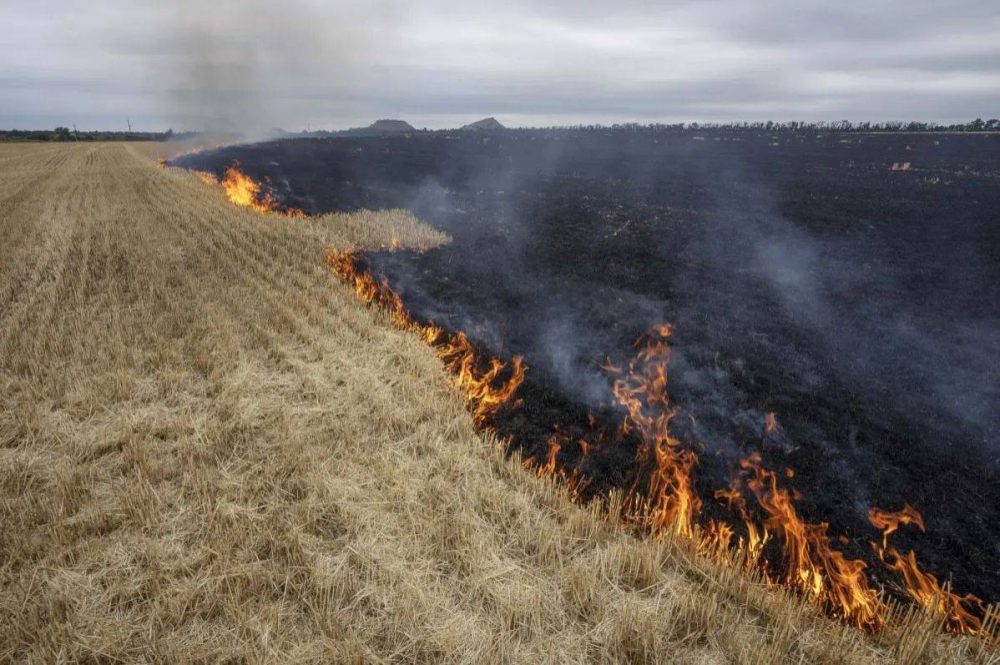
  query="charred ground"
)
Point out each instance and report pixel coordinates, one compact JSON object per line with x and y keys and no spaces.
{"x":846,"y":282}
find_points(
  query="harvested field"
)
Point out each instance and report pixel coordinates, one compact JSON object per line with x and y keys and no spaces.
{"x":210,"y":452}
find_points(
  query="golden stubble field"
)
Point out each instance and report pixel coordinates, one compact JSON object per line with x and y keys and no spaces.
{"x":209,"y":452}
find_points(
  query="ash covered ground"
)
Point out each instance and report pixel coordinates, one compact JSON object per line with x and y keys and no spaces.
{"x":803,"y":274}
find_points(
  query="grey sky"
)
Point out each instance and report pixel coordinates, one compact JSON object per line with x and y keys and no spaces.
{"x":252,"y":65}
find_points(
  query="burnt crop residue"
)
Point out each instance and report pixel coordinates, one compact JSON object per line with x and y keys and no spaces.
{"x":830,"y":316}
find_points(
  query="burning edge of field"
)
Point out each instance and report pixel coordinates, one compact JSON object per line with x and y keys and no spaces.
{"x":661,"y":499}
{"x":244,"y":191}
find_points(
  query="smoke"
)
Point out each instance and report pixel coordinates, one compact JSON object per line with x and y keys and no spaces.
{"x":788,"y":290}
{"x":929,"y":358}
{"x":248,"y":67}
{"x":815,"y":320}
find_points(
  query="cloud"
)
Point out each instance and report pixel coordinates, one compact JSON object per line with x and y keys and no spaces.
{"x":261,"y":64}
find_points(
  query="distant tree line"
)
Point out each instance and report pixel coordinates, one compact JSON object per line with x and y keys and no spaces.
{"x":769,"y":126}
{"x":67,"y":134}
{"x":759,"y":127}
{"x":977,"y":125}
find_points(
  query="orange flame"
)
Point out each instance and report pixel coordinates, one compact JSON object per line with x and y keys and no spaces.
{"x":161,"y":162}
{"x":244,"y":191}
{"x":770,"y":422}
{"x":662,"y":497}
{"x":486,"y":389}
{"x":812,"y":566}
{"x":959,"y":612}
{"x":890,"y":522}
{"x":549,"y":467}
{"x":206,"y":177}
{"x":575,"y":481}
{"x":715,"y":540}
{"x":669,"y":500}
{"x":748,"y":551}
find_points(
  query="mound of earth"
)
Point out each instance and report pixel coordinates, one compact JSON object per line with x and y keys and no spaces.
{"x":390,"y":126}
{"x":484,"y":125}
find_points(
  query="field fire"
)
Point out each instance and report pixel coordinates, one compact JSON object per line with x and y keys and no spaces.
{"x":661,"y":498}
{"x":757,"y":471}
{"x":244,"y":191}
{"x":601,"y":333}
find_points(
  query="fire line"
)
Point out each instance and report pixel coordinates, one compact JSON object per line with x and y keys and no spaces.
{"x":661,"y":499}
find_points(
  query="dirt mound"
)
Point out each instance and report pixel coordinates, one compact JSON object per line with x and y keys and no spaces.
{"x":485,"y":125}
{"x":391,"y":126}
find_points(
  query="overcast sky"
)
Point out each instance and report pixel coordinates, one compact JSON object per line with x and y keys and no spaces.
{"x":253,"y":65}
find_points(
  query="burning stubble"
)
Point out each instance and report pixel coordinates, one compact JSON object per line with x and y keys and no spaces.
{"x":662,"y":499}
{"x":666,"y":492}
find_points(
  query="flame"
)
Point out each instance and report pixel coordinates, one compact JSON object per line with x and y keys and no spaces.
{"x":750,"y":550}
{"x":487,"y":383}
{"x":206,"y":177}
{"x":662,"y":498}
{"x":549,"y":466}
{"x":812,"y":566}
{"x":575,"y":480}
{"x":244,"y":191}
{"x":890,"y":522}
{"x":668,"y":500}
{"x":485,"y":389}
{"x":770,"y":422}
{"x":161,"y":162}
{"x":960,"y":612}
{"x":715,"y":540}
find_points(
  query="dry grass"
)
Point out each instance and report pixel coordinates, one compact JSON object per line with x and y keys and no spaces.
{"x":209,"y":452}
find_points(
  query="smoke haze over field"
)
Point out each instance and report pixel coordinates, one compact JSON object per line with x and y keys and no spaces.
{"x":254,"y":65}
